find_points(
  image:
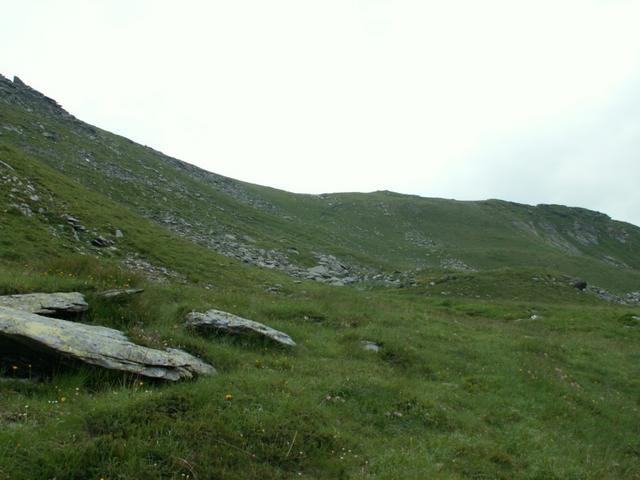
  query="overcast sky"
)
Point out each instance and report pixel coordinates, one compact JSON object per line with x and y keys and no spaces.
{"x":530,"y":101}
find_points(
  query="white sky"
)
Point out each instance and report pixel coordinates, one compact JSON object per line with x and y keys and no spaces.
{"x":529,"y":101}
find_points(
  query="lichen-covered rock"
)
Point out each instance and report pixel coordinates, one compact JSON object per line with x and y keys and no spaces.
{"x":219,"y":321}
{"x":97,"y":345}
{"x":46,"y":303}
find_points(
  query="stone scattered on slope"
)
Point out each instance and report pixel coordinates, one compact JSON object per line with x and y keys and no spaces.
{"x":98,"y":345}
{"x":101,"y":242}
{"x":370,"y":346}
{"x":59,"y":303}
{"x":75,"y":223}
{"x":217,"y":320}
{"x":318,"y":272}
{"x":579,"y":284}
{"x":119,"y":292}
{"x":532,"y":317}
{"x":630,"y":298}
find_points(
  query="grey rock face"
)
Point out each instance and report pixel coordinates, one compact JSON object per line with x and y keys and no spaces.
{"x":101,"y":346}
{"x":219,"y":321}
{"x":46,"y":303}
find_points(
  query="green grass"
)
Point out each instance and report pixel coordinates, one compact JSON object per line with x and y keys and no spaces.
{"x":461,"y":389}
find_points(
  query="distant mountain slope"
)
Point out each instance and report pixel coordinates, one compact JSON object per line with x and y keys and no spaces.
{"x":337,"y":238}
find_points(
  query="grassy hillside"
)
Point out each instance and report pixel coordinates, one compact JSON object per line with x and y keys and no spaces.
{"x":502,"y":372}
{"x":372,"y":233}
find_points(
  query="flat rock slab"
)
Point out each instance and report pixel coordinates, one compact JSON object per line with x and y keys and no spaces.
{"x":119,"y":292}
{"x":46,"y":303}
{"x":98,"y":345}
{"x":219,"y":321}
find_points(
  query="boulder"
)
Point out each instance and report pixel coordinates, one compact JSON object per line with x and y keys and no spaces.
{"x":101,"y":242}
{"x":219,"y":321}
{"x":579,"y":284}
{"x":319,"y":271}
{"x":370,"y":346}
{"x":96,"y":345}
{"x":59,"y":303}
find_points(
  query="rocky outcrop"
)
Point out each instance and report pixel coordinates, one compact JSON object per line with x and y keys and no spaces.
{"x":19,"y":93}
{"x":61,"y":303}
{"x":96,"y":345}
{"x":218,"y":321}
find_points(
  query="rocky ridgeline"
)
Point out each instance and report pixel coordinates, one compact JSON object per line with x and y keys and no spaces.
{"x":16,"y":92}
{"x":19,"y":93}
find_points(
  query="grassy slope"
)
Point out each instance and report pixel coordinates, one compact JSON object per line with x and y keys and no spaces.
{"x":466,"y":384}
{"x":377,"y":230}
{"x":461,"y":389}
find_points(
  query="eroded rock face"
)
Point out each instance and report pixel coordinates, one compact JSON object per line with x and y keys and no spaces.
{"x":96,"y":345}
{"x":59,"y":303}
{"x":219,"y":321}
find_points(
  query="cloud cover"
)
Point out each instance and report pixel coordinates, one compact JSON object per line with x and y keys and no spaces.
{"x":535,"y":102}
